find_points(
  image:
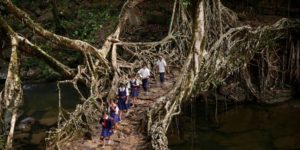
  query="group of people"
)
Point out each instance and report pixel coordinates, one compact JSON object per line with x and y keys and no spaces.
{"x":112,"y":118}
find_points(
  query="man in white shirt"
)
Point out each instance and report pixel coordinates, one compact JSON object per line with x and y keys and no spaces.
{"x":144,"y":74}
{"x":162,"y":66}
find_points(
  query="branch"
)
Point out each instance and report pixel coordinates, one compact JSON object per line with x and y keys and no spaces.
{"x":30,"y":48}
{"x":57,"y":39}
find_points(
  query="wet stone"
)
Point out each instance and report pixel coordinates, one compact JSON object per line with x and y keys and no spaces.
{"x":37,"y":137}
{"x":19,"y":135}
{"x":24,"y":127}
{"x":48,"y":121}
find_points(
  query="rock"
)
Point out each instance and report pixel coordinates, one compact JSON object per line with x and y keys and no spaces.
{"x":24,"y":127}
{"x":37,"y":137}
{"x":233,"y":91}
{"x":49,"y":118}
{"x":19,"y":135}
{"x":28,"y":120}
{"x":278,"y":96}
{"x":45,"y":17}
{"x":33,"y":72}
{"x":26,"y":124}
{"x":26,"y":87}
{"x":51,"y":113}
{"x":48,"y":121}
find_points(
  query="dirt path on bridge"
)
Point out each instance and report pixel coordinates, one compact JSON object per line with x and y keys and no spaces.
{"x":129,"y":136}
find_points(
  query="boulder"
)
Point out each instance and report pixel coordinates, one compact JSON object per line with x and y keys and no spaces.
{"x":26,"y":124}
{"x":45,"y":17}
{"x":20,"y":135}
{"x":24,"y":127}
{"x":50,"y":121}
{"x":33,"y":72}
{"x":38,"y":137}
{"x":28,"y":120}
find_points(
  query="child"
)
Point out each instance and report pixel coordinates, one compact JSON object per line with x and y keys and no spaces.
{"x":114,"y":113}
{"x":107,"y":124}
{"x":122,"y":95}
{"x":134,"y":89}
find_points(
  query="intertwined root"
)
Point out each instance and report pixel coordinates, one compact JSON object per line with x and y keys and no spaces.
{"x":207,"y":50}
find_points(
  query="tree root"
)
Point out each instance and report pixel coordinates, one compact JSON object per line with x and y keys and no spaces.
{"x":217,"y":49}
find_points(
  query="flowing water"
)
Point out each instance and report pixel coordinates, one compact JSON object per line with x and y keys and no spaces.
{"x":41,"y":103}
{"x":245,"y":127}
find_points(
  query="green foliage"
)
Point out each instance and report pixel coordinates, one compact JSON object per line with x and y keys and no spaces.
{"x":91,"y":22}
{"x":30,"y":62}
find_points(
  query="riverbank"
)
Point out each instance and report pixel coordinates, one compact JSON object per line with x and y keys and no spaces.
{"x":39,"y":113}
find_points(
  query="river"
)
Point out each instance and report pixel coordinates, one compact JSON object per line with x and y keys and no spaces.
{"x":41,"y":103}
{"x":241,"y":127}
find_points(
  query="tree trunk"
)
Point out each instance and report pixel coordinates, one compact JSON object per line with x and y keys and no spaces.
{"x":13,"y":91}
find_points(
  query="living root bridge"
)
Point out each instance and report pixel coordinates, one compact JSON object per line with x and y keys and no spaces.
{"x":208,"y":50}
